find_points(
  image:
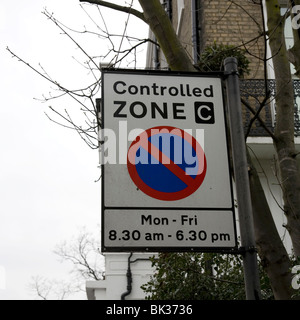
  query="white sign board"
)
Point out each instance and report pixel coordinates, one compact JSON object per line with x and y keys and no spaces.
{"x":165,"y":163}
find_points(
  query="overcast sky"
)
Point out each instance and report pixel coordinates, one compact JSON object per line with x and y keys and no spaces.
{"x":48,"y":189}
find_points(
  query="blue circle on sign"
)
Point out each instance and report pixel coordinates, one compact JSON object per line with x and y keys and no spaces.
{"x":177,"y":150}
{"x":166,"y":163}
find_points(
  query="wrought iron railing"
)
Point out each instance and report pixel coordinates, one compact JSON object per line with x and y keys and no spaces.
{"x":253,"y":92}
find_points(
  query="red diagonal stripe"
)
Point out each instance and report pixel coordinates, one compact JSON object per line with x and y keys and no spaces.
{"x":166,"y":161}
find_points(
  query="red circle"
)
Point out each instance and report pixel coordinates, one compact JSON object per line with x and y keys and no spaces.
{"x":192,"y":183}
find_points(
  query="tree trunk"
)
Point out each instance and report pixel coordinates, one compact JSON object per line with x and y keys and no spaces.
{"x":284,"y":130}
{"x":165,"y":34}
{"x":273,"y":255}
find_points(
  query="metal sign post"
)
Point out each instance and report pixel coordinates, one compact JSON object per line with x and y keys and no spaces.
{"x":242,"y":181}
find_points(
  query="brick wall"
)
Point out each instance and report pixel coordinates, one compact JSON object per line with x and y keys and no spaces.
{"x":228,"y":22}
{"x":238,"y":23}
{"x":235,"y":23}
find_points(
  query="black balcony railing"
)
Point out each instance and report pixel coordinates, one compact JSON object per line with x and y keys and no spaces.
{"x":253,"y":92}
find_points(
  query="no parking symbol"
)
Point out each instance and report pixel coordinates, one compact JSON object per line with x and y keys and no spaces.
{"x":166,"y":163}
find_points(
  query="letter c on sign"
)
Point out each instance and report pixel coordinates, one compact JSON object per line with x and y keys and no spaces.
{"x":200,"y":115}
{"x":116,"y":89}
{"x":204,"y":112}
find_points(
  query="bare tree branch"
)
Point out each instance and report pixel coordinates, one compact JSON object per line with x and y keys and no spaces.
{"x":113,"y":6}
{"x":60,"y":26}
{"x":84,"y":256}
{"x":47,"y":289}
{"x":257,"y":117}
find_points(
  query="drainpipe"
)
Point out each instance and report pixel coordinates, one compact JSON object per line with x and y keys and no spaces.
{"x":169,"y":8}
{"x":129,"y":276}
{"x":156,"y":57}
{"x":129,"y":280}
{"x":195,"y":38}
